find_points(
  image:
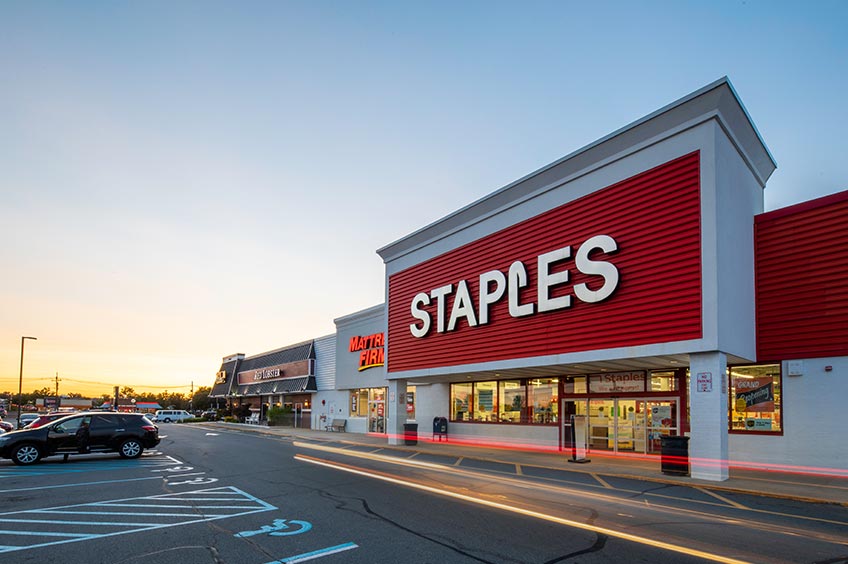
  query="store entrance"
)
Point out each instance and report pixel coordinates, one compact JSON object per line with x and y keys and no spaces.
{"x":634,"y":425}
{"x":377,"y":411}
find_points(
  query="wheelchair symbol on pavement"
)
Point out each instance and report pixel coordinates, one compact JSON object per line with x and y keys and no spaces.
{"x":280,"y":528}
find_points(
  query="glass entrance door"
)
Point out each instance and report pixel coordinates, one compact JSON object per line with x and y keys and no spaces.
{"x":377,"y":410}
{"x":624,"y":424}
{"x":661,"y":419}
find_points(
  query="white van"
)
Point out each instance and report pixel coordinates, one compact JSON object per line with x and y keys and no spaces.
{"x":168,"y":415}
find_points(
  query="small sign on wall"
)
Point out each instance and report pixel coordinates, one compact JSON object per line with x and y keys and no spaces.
{"x":705,"y":381}
{"x":795,"y":367}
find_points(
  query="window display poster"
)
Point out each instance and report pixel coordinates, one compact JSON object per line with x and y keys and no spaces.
{"x":661,"y":416}
{"x":756,"y":393}
{"x":485,"y":399}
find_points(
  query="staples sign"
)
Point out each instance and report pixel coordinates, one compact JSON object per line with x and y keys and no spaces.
{"x":496,"y":285}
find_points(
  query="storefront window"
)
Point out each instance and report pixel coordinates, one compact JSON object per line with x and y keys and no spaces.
{"x":755,"y":399}
{"x":663,"y":381}
{"x":460,"y":402}
{"x":512,"y":401}
{"x":485,"y":401}
{"x":575,"y":385}
{"x":359,"y":403}
{"x":543,"y":399}
{"x":534,"y":401}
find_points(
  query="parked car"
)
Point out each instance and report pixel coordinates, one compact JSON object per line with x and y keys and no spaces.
{"x":27,"y":418}
{"x":128,"y":434}
{"x":45,"y":418}
{"x":210,"y":415}
{"x":169,"y":415}
{"x":6,"y":426}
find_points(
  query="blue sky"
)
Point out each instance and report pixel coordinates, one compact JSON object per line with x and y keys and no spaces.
{"x":185,"y":180}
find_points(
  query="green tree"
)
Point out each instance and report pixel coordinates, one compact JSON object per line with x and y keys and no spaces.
{"x":200,"y":399}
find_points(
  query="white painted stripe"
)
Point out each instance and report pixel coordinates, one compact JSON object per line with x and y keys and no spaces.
{"x":103,"y":523}
{"x":79,"y":485}
{"x":45,"y":534}
{"x":133,"y":513}
{"x":316,"y":554}
{"x":162,"y":506}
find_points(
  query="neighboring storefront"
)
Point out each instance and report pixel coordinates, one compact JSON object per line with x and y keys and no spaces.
{"x":363,"y":395}
{"x":280,"y":378}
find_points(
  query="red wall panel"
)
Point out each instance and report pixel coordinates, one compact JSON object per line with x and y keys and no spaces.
{"x":655,"y":219}
{"x":801,"y":270}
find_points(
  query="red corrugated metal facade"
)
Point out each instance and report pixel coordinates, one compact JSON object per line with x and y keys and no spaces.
{"x":654,"y":217}
{"x":801,"y":270}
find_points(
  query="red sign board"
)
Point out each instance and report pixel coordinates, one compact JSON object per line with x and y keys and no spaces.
{"x":618,"y":267}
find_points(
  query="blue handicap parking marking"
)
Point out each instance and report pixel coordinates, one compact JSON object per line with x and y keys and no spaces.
{"x":34,"y":528}
{"x":278,"y":529}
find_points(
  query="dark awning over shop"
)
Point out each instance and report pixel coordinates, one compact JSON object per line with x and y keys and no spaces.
{"x":284,"y":386}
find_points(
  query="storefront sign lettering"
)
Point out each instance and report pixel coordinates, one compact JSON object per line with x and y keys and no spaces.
{"x":496,"y":284}
{"x":705,"y":381}
{"x":756,"y":393}
{"x":617,"y":382}
{"x":267,"y":374}
{"x":370,"y":348}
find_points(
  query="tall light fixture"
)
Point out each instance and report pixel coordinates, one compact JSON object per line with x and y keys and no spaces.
{"x":21,"y":378}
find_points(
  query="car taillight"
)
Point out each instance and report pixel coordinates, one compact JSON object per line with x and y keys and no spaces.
{"x":150,"y":428}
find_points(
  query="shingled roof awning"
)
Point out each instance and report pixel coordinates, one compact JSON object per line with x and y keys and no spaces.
{"x":284,"y":386}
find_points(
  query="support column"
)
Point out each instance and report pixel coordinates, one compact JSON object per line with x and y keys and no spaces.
{"x":396,"y":411}
{"x":708,"y":451}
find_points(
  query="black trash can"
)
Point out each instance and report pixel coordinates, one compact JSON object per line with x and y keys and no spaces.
{"x":674,"y":455}
{"x":410,"y":433}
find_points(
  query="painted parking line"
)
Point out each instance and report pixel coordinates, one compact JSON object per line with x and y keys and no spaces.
{"x":316,"y":554}
{"x":57,"y":467}
{"x":35,"y":528}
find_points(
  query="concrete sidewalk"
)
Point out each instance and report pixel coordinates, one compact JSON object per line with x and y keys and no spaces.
{"x":812,"y":487}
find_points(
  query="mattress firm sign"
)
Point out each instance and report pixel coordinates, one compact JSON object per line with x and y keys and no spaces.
{"x":619,"y":267}
{"x":370,"y":350}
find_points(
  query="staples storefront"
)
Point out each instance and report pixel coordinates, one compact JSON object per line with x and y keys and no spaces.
{"x":616,"y":284}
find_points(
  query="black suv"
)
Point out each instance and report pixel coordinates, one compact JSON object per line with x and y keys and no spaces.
{"x":128,"y":434}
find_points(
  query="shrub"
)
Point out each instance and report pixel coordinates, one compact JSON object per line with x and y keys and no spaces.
{"x":280,"y":416}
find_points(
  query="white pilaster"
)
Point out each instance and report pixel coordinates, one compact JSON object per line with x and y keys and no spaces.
{"x":708,"y":452}
{"x":396,"y":411}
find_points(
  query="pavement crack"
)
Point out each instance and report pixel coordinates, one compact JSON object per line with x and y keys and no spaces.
{"x":597,"y":546}
{"x":213,"y":552}
{"x":373,"y":514}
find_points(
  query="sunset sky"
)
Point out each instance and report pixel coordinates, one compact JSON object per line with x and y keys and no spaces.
{"x":185,"y":180}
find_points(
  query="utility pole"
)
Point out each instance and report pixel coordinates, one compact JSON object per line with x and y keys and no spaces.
{"x":57,"y":388}
{"x":191,"y":399}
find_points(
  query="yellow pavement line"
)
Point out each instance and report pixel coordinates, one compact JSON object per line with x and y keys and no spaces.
{"x":722,"y":498}
{"x":567,"y":522}
{"x":600,"y":480}
{"x":568,"y":490}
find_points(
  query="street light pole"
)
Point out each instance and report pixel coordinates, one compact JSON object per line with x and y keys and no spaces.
{"x":21,"y":378}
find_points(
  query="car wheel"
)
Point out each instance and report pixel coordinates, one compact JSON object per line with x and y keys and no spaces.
{"x":130,"y":448}
{"x":26,"y":454}
{"x":167,"y":420}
